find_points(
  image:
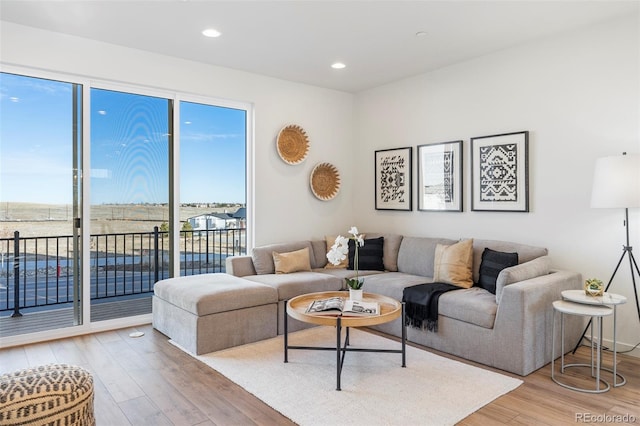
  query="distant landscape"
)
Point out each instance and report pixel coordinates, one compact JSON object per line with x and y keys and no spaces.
{"x":39,"y":224}
{"x":43,"y":220}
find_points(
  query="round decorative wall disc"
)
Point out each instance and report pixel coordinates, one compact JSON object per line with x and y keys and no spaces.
{"x":292,"y":144}
{"x":325,"y":181}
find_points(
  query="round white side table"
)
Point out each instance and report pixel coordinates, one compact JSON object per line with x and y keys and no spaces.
{"x":596,"y":313}
{"x":607,"y":299}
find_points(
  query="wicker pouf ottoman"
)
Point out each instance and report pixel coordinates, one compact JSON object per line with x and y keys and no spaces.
{"x":53,"y":394}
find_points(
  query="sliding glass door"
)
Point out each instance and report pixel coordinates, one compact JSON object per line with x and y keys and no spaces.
{"x":213,"y":214}
{"x":40,"y":201}
{"x":130,"y":248}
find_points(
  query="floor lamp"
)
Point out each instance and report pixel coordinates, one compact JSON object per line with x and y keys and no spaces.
{"x":616,"y":184}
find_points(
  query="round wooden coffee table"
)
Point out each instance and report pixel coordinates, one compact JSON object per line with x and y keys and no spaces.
{"x":390,"y":309}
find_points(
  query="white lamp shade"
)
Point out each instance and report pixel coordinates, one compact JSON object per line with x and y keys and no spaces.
{"x":616,"y":182}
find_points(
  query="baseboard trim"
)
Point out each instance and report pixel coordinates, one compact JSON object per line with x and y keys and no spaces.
{"x":622,"y":348}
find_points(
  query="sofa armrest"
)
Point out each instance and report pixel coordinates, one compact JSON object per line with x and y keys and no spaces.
{"x":548,"y":287}
{"x":240,"y":266}
{"x":525,"y":315}
{"x":522,"y":272}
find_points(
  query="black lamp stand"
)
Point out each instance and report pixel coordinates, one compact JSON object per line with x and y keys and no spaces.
{"x":626,"y":250}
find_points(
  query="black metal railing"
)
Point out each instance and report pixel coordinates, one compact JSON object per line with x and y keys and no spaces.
{"x":40,"y":271}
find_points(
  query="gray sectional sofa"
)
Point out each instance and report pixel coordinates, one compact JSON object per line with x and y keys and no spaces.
{"x":509,"y":330}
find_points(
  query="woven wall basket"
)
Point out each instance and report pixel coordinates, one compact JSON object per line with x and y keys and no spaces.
{"x":292,"y":144}
{"x":325,"y":181}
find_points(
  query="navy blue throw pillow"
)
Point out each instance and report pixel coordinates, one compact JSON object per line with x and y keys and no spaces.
{"x":369,"y":255}
{"x":492,"y":263}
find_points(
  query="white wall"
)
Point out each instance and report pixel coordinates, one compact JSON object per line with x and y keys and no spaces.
{"x":285,"y":208}
{"x":578,"y":95}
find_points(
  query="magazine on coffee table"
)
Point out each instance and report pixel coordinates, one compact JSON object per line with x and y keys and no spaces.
{"x":345,"y":307}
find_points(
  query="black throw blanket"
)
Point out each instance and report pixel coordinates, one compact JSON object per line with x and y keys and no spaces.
{"x":421,"y":304}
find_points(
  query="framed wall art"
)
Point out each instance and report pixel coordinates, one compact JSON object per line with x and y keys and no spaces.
{"x":440,"y":177}
{"x":500,"y":172}
{"x":393,"y":179}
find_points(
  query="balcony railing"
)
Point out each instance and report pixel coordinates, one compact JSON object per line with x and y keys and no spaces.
{"x":40,"y":271}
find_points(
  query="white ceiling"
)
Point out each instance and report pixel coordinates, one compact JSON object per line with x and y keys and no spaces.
{"x":298,"y":40}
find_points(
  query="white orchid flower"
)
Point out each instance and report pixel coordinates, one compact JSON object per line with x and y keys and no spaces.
{"x":355,"y":236}
{"x":335,"y":257}
{"x":342,"y":242}
{"x":339,"y":250}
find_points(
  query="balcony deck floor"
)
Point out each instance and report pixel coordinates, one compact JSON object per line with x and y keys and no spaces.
{"x":59,"y":318}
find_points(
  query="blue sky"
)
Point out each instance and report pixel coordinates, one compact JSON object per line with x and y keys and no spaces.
{"x":35,"y":117}
{"x":129,"y":147}
{"x":212,"y":153}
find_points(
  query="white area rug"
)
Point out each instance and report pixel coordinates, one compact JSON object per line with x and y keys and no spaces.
{"x":376,"y":390}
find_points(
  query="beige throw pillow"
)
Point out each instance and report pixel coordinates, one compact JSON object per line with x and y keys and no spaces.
{"x":331,"y":240}
{"x":295,"y":261}
{"x":453,"y":264}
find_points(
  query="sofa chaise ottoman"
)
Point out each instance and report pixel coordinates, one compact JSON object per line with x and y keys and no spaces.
{"x":210,"y":312}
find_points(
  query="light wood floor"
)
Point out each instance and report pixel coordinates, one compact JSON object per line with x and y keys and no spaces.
{"x":147,"y":381}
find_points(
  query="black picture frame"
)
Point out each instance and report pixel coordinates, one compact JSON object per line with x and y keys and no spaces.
{"x":393,"y":177}
{"x":500,"y":172}
{"x":439,"y":183}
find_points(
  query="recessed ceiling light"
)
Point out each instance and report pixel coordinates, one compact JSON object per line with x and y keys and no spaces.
{"x":421,"y":34}
{"x":338,"y":65}
{"x":211,"y":32}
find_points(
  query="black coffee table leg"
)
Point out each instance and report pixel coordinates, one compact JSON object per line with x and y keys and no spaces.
{"x":404,"y":336}
{"x":338,"y":361}
{"x":286,"y":334}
